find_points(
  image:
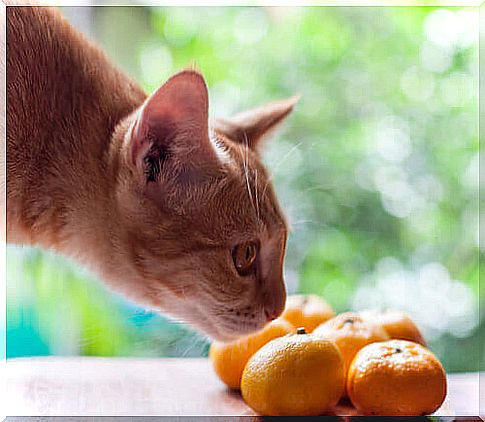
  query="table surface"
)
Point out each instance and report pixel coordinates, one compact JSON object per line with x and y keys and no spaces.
{"x":90,"y":386}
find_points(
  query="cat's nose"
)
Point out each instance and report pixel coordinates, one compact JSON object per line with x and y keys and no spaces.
{"x":274,"y":300}
{"x":272,"y":280}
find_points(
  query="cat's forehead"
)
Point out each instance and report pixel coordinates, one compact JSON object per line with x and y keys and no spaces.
{"x":242,"y":202}
{"x":237,"y":203}
{"x":219,"y":144}
{"x":237,"y":157}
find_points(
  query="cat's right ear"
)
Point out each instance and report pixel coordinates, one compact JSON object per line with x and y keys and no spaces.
{"x":171,"y":131}
{"x":250,"y":127}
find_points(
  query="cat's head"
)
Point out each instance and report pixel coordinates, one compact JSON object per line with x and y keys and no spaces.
{"x":199,"y":221}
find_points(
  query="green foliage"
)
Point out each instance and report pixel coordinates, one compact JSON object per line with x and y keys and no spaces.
{"x":377,"y":168}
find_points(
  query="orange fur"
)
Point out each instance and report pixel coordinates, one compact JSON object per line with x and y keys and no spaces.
{"x":139,"y":189}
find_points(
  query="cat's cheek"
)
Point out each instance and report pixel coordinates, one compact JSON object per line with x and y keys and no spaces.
{"x":162,"y":195}
{"x":154,"y":193}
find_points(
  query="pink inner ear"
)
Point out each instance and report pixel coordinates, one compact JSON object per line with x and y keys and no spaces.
{"x":175,"y":117}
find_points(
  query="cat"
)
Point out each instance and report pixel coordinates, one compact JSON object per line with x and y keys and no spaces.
{"x":173,"y":211}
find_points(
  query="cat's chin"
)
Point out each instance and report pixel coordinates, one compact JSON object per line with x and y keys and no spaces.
{"x":224,"y":333}
{"x":215,"y":328}
{"x":223,"y":337}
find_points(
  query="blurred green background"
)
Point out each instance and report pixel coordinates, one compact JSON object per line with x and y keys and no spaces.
{"x":377,"y":168}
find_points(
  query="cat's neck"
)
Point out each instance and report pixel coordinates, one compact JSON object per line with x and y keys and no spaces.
{"x":64,"y":100}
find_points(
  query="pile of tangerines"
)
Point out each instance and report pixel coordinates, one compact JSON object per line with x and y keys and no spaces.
{"x":309,"y":359}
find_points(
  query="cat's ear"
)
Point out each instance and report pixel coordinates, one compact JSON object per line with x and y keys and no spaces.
{"x":172,"y":129}
{"x":250,"y":127}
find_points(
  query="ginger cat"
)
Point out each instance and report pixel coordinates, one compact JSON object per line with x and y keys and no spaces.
{"x":175,"y":213}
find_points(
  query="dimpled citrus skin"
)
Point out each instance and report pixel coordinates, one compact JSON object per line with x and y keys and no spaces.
{"x":307,"y":311}
{"x":294,"y":375}
{"x":350,"y":332}
{"x":229,"y":359}
{"x":396,"y":378}
{"x":397,"y":324}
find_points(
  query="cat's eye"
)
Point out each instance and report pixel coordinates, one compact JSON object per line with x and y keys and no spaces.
{"x":244,"y":257}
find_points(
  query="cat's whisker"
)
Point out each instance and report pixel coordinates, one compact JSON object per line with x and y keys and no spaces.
{"x":270,"y":179}
{"x":300,"y":222}
{"x":295,"y":223}
{"x":316,"y":187}
{"x":256,"y":192}
{"x":279,"y":163}
{"x":186,"y":351}
{"x":308,"y":225}
{"x":195,"y":344}
{"x":283,"y":159}
{"x":287,"y":155}
{"x":243,"y":156}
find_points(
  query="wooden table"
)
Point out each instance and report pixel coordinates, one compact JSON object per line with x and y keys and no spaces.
{"x":117,"y":386}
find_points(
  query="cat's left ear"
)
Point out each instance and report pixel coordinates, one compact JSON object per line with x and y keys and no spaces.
{"x":250,"y":127}
{"x":171,"y":131}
